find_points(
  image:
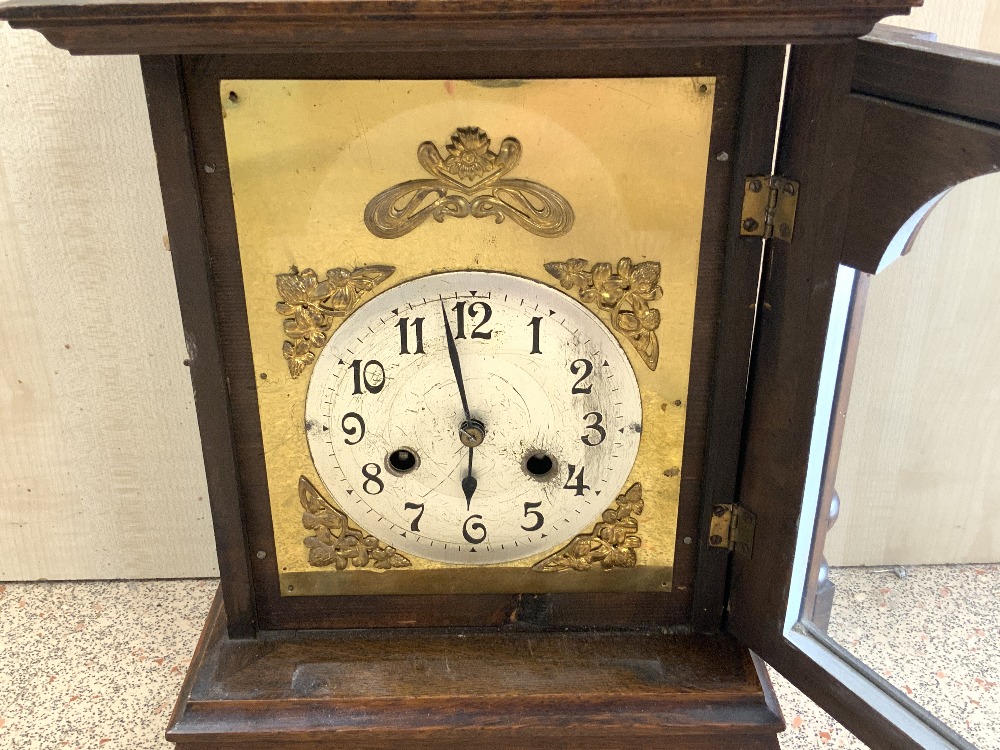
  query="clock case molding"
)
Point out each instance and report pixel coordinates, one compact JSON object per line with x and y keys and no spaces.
{"x":869,"y":134}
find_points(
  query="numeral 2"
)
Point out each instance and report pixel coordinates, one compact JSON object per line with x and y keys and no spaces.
{"x":588,"y":367}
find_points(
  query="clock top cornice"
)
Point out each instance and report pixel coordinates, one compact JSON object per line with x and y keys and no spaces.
{"x":151,"y":27}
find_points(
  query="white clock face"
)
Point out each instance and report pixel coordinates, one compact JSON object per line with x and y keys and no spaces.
{"x":551,"y":411}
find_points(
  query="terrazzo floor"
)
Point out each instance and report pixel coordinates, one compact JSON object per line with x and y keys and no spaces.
{"x":98,"y":664}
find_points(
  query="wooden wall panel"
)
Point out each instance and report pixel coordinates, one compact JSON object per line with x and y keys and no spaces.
{"x":919,"y":474}
{"x":101,"y":473}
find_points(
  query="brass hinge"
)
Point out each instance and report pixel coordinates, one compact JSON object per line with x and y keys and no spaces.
{"x":769,"y":204}
{"x":732,"y":528}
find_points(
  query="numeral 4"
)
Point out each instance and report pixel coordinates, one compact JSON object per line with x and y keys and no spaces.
{"x":578,"y":485}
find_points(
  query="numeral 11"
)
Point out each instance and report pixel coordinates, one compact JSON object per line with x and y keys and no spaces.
{"x":418,"y":330}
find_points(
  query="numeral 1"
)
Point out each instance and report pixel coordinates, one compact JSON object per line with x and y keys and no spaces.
{"x":536,"y":329}
{"x":418,"y":330}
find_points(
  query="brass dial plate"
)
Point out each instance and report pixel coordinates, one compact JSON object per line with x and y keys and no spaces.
{"x":629,"y":156}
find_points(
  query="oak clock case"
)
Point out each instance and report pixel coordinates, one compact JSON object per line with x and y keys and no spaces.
{"x":616,"y":163}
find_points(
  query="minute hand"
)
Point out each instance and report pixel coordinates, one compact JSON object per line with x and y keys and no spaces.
{"x":456,"y":365}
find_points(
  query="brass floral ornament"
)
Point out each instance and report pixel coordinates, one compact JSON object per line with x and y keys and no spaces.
{"x":469,"y":181}
{"x":334,"y":542}
{"x":310,"y":307}
{"x":612,"y":543}
{"x":625,"y":292}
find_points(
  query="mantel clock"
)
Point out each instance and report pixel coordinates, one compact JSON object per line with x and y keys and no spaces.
{"x":506,"y":341}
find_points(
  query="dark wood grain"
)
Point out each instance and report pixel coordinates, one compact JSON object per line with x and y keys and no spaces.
{"x":829,"y":141}
{"x":445,"y":689}
{"x":168,"y":116}
{"x":720,"y":384}
{"x":210,"y":26}
{"x":955,"y":80}
{"x":732,"y":334}
{"x":908,"y":157}
{"x":931,"y":123}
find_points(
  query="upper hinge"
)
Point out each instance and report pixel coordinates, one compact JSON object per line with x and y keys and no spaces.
{"x":769,"y":204}
{"x":733,"y":528}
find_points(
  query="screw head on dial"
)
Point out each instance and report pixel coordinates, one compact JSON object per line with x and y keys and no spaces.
{"x":472,"y":432}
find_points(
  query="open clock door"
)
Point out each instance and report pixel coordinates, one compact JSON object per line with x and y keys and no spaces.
{"x":873,"y":132}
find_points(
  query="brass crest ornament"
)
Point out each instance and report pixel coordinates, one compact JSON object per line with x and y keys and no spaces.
{"x":624,"y":292}
{"x":310,"y":306}
{"x":468,"y":181}
{"x":335,"y":542}
{"x":612,"y":543}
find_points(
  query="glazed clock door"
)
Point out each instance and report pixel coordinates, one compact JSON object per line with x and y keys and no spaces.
{"x":874,"y":133}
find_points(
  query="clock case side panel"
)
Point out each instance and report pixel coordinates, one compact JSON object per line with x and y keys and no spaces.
{"x":178,"y":173}
{"x":736,"y":109}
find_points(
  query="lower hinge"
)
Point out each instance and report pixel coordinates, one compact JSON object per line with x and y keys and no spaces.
{"x":732,"y":528}
{"x":769,"y":204}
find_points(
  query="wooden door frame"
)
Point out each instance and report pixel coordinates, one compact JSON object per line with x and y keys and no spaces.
{"x":871,"y":142}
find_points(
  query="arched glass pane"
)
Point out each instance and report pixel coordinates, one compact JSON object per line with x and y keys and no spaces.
{"x":904,"y":571}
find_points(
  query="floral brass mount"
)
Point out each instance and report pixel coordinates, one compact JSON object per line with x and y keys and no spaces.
{"x":611,"y":544}
{"x":335,"y":542}
{"x":625,"y":292}
{"x":469,"y":181}
{"x":310,"y":306}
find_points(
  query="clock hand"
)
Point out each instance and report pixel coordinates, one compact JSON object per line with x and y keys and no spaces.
{"x":469,"y":483}
{"x":456,"y":366}
{"x":471,"y":432}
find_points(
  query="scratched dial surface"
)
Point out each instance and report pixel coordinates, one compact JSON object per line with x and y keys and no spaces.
{"x":549,"y":382}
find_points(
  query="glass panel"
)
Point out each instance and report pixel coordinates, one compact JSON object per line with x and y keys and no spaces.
{"x":903,"y":572}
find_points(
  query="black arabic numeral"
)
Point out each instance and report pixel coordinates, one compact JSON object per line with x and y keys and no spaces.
{"x":588,"y":367}
{"x":477,"y":527}
{"x":536,"y":329}
{"x":596,"y":427}
{"x":415,"y":523}
{"x":371,"y":477}
{"x":487,"y":311}
{"x":352,"y":430}
{"x":373,"y":375}
{"x":539,"y":519}
{"x":418,"y":330}
{"x":578,"y":485}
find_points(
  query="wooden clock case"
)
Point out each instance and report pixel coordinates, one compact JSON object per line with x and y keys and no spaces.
{"x":862,"y":121}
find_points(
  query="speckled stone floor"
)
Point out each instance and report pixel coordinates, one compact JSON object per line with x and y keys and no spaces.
{"x":98,"y":664}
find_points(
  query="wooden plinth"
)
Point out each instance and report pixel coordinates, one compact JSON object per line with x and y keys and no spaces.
{"x":441,"y":689}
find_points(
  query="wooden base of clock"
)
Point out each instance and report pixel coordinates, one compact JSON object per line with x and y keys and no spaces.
{"x":442,"y":688}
